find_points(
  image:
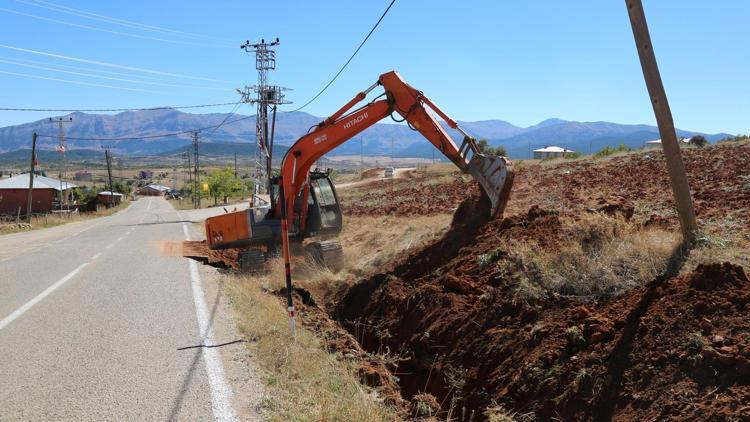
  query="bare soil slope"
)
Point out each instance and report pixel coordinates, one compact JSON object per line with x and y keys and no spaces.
{"x":675,"y":347}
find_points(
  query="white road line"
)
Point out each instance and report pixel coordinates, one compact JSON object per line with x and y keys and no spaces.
{"x":28,"y":305}
{"x":95,"y":256}
{"x":110,"y":245}
{"x":221,"y":393}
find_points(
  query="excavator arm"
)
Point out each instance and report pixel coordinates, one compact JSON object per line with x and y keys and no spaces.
{"x":494,"y":174}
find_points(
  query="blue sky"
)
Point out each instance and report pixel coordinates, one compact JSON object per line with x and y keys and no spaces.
{"x":520,"y":61}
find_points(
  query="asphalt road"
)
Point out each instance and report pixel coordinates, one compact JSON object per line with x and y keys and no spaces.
{"x":92,"y":319}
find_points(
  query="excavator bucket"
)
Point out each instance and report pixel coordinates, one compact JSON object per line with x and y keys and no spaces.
{"x":495,"y":176}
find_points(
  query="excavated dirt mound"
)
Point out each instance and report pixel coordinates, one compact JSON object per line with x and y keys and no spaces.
{"x":402,"y":197}
{"x":198,"y":250}
{"x":675,"y":347}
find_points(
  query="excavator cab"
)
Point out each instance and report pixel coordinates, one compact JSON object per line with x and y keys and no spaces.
{"x":324,"y":216}
{"x":317,"y":215}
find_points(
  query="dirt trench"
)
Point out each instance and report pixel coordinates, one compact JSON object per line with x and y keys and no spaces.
{"x":676,"y":346}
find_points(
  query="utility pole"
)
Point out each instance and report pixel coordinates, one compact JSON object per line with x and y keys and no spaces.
{"x":197,"y":177}
{"x":235,"y":166}
{"x":31,"y":177}
{"x":61,"y":147}
{"x":266,"y":98}
{"x":108,"y":158}
{"x":189,"y":170}
{"x":675,"y":166}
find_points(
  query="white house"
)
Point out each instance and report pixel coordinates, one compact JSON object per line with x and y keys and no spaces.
{"x":550,"y":151}
{"x":656,"y":143}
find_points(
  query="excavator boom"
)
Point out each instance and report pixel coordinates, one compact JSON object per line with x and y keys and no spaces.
{"x":493,"y":173}
{"x":296,"y":183}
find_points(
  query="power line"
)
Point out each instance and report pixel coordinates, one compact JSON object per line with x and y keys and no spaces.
{"x":112,"y":20}
{"x":94,"y":28}
{"x":223,"y":122}
{"x":111,"y":78}
{"x":163,"y":135}
{"x":71,"y":110}
{"x":27,"y":75}
{"x":87,"y":69}
{"x":106,"y":64}
{"x":350,"y":59}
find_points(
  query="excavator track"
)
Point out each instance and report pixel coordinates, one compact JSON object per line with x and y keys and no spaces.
{"x":252,"y":261}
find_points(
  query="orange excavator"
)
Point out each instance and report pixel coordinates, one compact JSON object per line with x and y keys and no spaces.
{"x":304,"y":204}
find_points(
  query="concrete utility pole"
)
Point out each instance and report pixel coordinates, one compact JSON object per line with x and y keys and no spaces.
{"x":31,"y":177}
{"x":675,"y":166}
{"x":189,"y":171}
{"x":197,"y":178}
{"x":108,"y":158}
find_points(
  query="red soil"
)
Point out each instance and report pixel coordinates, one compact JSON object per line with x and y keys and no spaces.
{"x":719,"y":177}
{"x":470,"y":345}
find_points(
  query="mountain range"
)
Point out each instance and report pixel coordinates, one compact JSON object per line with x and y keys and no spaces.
{"x":381,"y":139}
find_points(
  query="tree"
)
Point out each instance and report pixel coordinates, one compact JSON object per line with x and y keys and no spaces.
{"x":699,"y":141}
{"x":486,"y":148}
{"x":122,"y":188}
{"x":222,"y":184}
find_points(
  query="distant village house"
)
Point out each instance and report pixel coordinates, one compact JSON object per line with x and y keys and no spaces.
{"x":14,"y":193}
{"x":656,"y":143}
{"x":109,"y":198}
{"x":551,"y":151}
{"x":153,"y":190}
{"x":83,"y":176}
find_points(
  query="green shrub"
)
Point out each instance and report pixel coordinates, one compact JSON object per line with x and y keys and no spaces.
{"x":608,"y":150}
{"x":486,"y":148}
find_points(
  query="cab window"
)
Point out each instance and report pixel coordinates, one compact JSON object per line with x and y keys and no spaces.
{"x":324,"y":192}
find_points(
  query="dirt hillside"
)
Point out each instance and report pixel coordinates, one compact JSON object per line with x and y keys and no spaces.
{"x":670,"y":347}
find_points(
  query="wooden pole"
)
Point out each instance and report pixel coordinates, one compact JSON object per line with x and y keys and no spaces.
{"x":31,"y":177}
{"x":675,"y":166}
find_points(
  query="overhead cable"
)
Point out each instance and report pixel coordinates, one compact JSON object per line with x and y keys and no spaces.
{"x":115,"y":21}
{"x":92,"y":110}
{"x":348,"y":61}
{"x":137,"y":137}
{"x":94,"y":28}
{"x":106,"y":64}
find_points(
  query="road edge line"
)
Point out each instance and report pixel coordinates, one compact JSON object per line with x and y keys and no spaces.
{"x":221,"y":392}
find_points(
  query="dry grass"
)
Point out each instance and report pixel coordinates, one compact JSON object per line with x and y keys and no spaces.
{"x":721,"y":240}
{"x":306,"y":381}
{"x":598,"y":256}
{"x":52,"y":220}
{"x":370,"y":245}
{"x":303,"y":381}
